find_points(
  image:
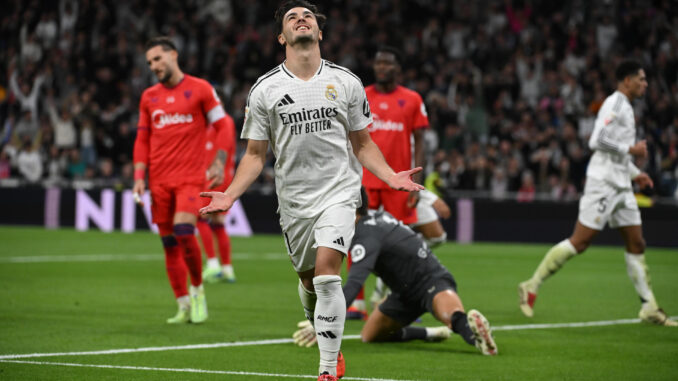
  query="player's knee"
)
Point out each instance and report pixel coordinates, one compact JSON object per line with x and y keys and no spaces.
{"x":183,"y":230}
{"x":636,"y":246}
{"x":367,"y":337}
{"x":168,"y":241}
{"x":580,"y":245}
{"x":165,"y":230}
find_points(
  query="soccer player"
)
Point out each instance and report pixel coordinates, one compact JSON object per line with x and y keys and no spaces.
{"x":608,"y":196}
{"x":170,"y":144}
{"x":315,"y":115}
{"x":220,"y":148}
{"x":399,"y":119}
{"x":419,"y":283}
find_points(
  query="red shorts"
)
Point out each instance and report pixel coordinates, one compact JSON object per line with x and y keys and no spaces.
{"x":204,"y":201}
{"x":168,"y":199}
{"x":394,"y":202}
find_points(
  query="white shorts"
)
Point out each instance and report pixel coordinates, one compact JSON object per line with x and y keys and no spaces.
{"x":333,"y":228}
{"x":425,"y":212}
{"x":603,"y":203}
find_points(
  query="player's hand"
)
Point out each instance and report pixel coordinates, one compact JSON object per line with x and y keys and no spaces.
{"x":644,"y":181}
{"x":221,"y":202}
{"x":442,"y":209}
{"x":639,"y":149}
{"x":215,"y":175}
{"x":412,"y":199}
{"x":403,"y":181}
{"x":305,"y":335}
{"x":138,"y":190}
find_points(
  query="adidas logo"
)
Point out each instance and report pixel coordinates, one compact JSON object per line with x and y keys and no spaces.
{"x":327,"y":334}
{"x":286,"y":100}
{"x":339,"y":241}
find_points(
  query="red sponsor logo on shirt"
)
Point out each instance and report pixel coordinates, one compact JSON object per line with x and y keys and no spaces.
{"x":161,"y":120}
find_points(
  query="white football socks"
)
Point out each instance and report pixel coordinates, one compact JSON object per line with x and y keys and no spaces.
{"x":552,"y":262}
{"x":640,"y":276}
{"x":308,"y":300}
{"x":213,"y":263}
{"x":330,"y":315}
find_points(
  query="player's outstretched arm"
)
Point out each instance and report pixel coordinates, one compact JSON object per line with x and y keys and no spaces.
{"x":251,"y":165}
{"x":371,"y":158}
{"x":644,"y":180}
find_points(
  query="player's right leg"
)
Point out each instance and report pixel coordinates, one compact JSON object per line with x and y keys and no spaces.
{"x":553,"y":261}
{"x":224,"y":242}
{"x":357,"y":310}
{"x":212,"y":271}
{"x":162,"y":211}
{"x":472,"y":327}
{"x":176,"y":272}
{"x":432,"y":233}
{"x":428,"y":223}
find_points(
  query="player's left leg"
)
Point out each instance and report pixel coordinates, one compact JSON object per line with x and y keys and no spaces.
{"x":640,"y":276}
{"x":184,"y":231}
{"x":472,"y":327}
{"x":330,"y":309}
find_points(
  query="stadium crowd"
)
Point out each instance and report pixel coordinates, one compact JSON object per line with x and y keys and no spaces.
{"x":512,"y":87}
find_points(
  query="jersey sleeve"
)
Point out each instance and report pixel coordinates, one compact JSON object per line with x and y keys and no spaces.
{"x":633,"y":170}
{"x":603,"y":136}
{"x":420,"y":119}
{"x":211,"y":106}
{"x":359,"y":114}
{"x":256,"y":125}
{"x":364,"y":254}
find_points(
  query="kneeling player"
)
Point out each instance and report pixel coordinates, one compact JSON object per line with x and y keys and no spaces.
{"x":419,"y":283}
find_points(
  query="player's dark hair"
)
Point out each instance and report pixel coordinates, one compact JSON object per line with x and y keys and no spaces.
{"x":362,"y":210}
{"x":289,"y":4}
{"x":392,"y":50}
{"x":626,"y":68}
{"x":163,"y":41}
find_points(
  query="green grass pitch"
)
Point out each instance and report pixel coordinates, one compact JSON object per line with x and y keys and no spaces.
{"x":64,"y":291}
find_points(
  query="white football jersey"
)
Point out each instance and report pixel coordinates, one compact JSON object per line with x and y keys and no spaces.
{"x":614,"y":132}
{"x":307,"y":125}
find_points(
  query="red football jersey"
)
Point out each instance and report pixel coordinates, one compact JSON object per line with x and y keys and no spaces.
{"x":225,"y":140}
{"x":396,"y":115}
{"x":176,"y":120}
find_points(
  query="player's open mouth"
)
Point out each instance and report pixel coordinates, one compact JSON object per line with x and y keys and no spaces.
{"x":303,"y":27}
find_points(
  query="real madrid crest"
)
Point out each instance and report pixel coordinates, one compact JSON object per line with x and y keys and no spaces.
{"x":331,"y":93}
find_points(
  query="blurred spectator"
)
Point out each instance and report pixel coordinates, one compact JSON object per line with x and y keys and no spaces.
{"x":522,"y":79}
{"x":5,"y":165}
{"x":29,"y":162}
{"x":527,"y":190}
{"x":62,"y":125}
{"x":76,"y":166}
{"x":57,"y":163}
